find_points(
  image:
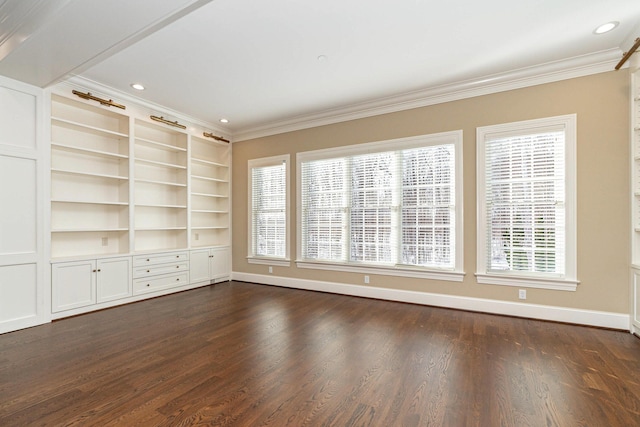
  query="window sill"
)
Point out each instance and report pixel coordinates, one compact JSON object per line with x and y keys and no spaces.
{"x":527,"y":282}
{"x":280,"y":262}
{"x":419,"y":273}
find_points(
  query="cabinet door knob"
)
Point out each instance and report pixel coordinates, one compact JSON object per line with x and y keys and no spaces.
{"x":148,"y":285}
{"x":177,"y":266}
{"x":148,"y":271}
{"x":177,"y":256}
{"x":99,"y":270}
{"x":95,"y":271}
{"x":148,"y":260}
{"x":178,"y":279}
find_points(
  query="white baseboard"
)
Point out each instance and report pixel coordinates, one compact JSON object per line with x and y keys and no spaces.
{"x":543,"y":312}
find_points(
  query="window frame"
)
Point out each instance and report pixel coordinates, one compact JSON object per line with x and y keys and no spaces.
{"x":252,"y":164}
{"x":567,"y":281}
{"x":453,"y":138}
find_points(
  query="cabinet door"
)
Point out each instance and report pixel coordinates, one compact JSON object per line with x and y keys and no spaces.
{"x":219,"y":263}
{"x":23,"y":300}
{"x":73,"y":285}
{"x":114,"y":278}
{"x":199,"y":266}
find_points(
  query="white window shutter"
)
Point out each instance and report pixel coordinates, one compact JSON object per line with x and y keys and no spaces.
{"x":525,"y":203}
{"x":269,"y":215}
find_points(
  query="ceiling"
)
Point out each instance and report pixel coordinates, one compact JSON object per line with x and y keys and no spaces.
{"x":285,"y":64}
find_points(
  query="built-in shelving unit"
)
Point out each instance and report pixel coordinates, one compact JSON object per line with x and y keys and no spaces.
{"x":89,"y":180}
{"x":635,"y":190}
{"x":132,"y":198}
{"x":210,"y":188}
{"x":160,"y":187}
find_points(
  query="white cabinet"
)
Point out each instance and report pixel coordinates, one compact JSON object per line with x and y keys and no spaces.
{"x":210,"y":265}
{"x":113,"y":279}
{"x":155,"y":272}
{"x":23,"y":167}
{"x":73,"y":285}
{"x":83,"y":283}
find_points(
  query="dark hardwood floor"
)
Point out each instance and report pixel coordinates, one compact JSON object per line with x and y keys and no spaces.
{"x":251,"y":355}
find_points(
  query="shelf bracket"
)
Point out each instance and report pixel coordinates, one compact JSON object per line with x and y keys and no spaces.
{"x":217,"y":138}
{"x":107,"y":102}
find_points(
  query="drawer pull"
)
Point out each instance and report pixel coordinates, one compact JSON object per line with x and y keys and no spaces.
{"x":177,"y":266}
{"x":178,"y":256}
{"x":148,"y":271}
{"x":148,"y":284}
{"x":178,"y":279}
{"x":148,"y":260}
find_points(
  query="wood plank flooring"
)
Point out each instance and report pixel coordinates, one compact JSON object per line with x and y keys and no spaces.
{"x":241,"y":354}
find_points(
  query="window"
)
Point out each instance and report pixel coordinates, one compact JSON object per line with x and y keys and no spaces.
{"x":269,"y":210}
{"x":396,"y":212}
{"x":526,"y":196}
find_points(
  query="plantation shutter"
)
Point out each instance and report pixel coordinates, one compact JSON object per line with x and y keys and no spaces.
{"x":525,"y":195}
{"x":324,"y":210}
{"x":374,"y":201}
{"x":269,"y":210}
{"x":428,"y":206}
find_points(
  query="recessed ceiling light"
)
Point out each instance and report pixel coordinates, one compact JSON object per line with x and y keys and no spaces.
{"x":224,"y":121}
{"x":137,"y":86}
{"x":605,"y":28}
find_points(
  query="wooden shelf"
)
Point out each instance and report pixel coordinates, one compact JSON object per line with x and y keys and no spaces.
{"x":222,"y":227}
{"x":151,"y":181}
{"x":87,"y":128}
{"x":206,"y":178}
{"x":160,"y":228}
{"x":88,"y":150}
{"x":157,"y":144}
{"x":151,"y":205}
{"x":209,"y":195}
{"x":100,"y":175}
{"x":91,"y":202}
{"x":87,"y":230}
{"x":208,"y":162}
{"x":160,"y":164}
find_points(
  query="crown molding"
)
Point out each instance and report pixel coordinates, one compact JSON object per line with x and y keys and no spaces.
{"x":579,"y":66}
{"x":83,"y":83}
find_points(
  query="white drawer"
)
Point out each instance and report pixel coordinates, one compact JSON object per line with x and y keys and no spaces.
{"x":142,"y":260}
{"x":156,"y":269}
{"x":141,"y":286}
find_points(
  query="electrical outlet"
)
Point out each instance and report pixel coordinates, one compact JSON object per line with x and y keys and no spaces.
{"x":105,"y":241}
{"x":366,"y":279}
{"x":522,"y":294}
{"x":197,"y":236}
{"x":270,"y":269}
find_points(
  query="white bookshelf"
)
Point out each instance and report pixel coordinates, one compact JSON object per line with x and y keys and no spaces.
{"x":127,"y":190}
{"x":89,"y":180}
{"x":160,"y":187}
{"x":210,"y":192}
